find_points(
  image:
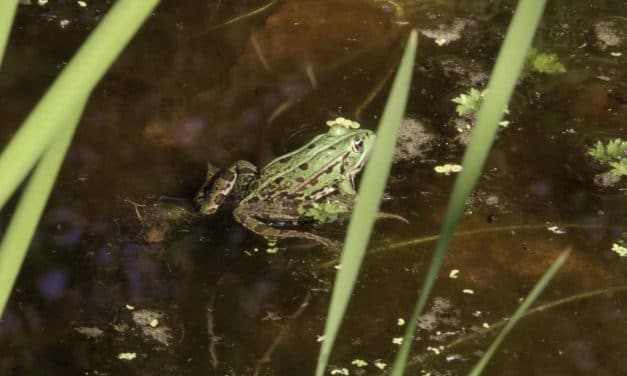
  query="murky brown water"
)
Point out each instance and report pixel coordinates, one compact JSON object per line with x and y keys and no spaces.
{"x":105,"y":262}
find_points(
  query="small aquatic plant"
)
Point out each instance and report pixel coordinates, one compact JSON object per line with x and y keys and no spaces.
{"x":613,"y":154}
{"x":543,"y":62}
{"x":469,"y":103}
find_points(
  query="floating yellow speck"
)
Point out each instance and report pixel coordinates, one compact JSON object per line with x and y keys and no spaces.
{"x":397,"y":340}
{"x":468,"y":291}
{"x":319,"y":338}
{"x":485,"y":325}
{"x":435,"y":350}
{"x":400,"y":321}
{"x":619,"y":249}
{"x":340,"y":371}
{"x":343,"y":122}
{"x":447,"y":169}
{"x":130,"y":307}
{"x":379,"y":364}
{"x":82,"y":4}
{"x":42,"y":2}
{"x":453,"y":274}
{"x":441,"y":41}
{"x":154,"y":323}
{"x":359,"y":363}
{"x":455,"y":168}
{"x":127,"y":356}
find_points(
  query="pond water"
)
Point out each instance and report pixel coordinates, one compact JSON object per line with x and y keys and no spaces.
{"x":121,"y":265}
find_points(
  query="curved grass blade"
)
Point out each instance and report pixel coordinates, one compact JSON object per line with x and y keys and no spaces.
{"x":7,"y":13}
{"x":49,"y":130}
{"x":73,"y":84}
{"x":520,"y":312}
{"x":368,"y":200}
{"x":30,"y":207}
{"x":506,"y":71}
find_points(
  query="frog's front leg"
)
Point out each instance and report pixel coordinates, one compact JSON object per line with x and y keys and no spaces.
{"x":253,"y":216}
{"x":218,"y":186}
{"x":345,"y":204}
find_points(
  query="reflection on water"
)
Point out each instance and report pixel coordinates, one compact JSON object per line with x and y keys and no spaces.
{"x":122,"y":265}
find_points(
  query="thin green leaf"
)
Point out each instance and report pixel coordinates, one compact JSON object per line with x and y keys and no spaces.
{"x":75,"y":83}
{"x":368,"y":200}
{"x":31,"y":205}
{"x":520,"y":312}
{"x":49,"y":129}
{"x":506,"y":71}
{"x":7,"y":13}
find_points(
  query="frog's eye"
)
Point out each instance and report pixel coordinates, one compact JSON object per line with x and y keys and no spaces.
{"x":358,"y":145}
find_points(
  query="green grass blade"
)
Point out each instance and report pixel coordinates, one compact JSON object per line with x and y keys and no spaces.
{"x":368,"y":200}
{"x":509,"y":64}
{"x":520,"y":312}
{"x":7,"y":13}
{"x":75,"y":83}
{"x":30,"y":207}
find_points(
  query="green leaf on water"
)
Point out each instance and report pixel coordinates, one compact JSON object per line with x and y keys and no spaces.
{"x":468,"y":103}
{"x":614,"y":154}
{"x":619,"y":168}
{"x":543,"y":62}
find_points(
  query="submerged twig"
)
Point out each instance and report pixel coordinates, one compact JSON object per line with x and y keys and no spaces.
{"x":374,"y":92}
{"x":136,"y":205}
{"x":236,"y":19}
{"x":213,"y":339}
{"x":283,"y":329}
{"x":281,"y":108}
{"x":260,"y":55}
{"x":432,"y":238}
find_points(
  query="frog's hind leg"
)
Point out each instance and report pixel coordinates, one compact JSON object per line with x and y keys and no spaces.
{"x":219,"y":185}
{"x":259,"y":227}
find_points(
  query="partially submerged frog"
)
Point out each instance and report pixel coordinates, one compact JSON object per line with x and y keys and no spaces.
{"x":314,"y":184}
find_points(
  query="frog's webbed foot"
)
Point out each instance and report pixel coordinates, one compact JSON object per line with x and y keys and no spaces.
{"x":384,"y":215}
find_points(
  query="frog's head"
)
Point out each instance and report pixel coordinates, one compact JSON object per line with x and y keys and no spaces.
{"x":361,"y":143}
{"x":357,"y":145}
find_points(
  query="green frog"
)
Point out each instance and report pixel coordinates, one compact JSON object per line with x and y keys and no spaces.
{"x":314,"y":184}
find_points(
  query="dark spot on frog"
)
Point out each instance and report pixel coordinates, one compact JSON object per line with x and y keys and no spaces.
{"x":220,"y":197}
{"x":245,"y":171}
{"x":304,"y":166}
{"x":284,"y":160}
{"x":229,"y":175}
{"x":278,"y":180}
{"x":253,"y":200}
{"x":300,"y":179}
{"x":311,"y":146}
